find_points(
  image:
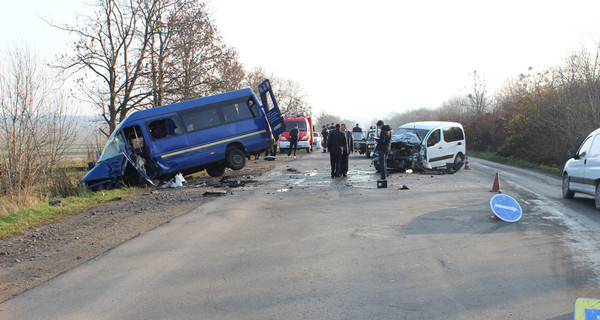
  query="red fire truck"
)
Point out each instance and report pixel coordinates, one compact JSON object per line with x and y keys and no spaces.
{"x":305,"y":132}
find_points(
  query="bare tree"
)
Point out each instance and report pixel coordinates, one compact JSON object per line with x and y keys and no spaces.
{"x":110,"y":50}
{"x":290,"y":96}
{"x":201,"y":63}
{"x":478,"y":98}
{"x":35,"y":130}
{"x":254,"y":78}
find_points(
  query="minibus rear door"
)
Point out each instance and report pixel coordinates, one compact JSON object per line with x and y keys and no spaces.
{"x":271,"y":109}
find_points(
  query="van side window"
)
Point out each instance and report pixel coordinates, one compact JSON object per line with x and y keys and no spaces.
{"x":453,"y":134}
{"x":434,"y":138}
{"x":595,"y":148}
{"x":163,"y":128}
{"x":195,"y":120}
{"x":585,"y":146}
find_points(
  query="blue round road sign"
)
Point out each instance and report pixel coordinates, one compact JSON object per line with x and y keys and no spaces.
{"x":506,"y":208}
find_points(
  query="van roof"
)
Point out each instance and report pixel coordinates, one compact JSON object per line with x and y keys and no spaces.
{"x":429,"y":124}
{"x":183,"y":105}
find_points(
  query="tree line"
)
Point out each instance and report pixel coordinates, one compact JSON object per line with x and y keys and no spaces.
{"x":535,"y":116}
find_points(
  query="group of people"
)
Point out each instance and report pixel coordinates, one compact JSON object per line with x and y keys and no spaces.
{"x":338,"y":140}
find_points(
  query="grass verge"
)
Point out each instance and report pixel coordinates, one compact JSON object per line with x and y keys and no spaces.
{"x":21,"y":220}
{"x":492,"y":156}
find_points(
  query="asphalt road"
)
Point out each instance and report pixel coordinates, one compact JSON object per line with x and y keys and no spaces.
{"x":300,"y":245}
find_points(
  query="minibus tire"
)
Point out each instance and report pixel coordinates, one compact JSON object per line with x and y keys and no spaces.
{"x":236,"y":159}
{"x":215,"y":171}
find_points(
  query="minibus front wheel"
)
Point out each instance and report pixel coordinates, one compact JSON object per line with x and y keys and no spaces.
{"x":236,"y":159}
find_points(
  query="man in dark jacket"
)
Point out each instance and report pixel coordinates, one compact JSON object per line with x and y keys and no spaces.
{"x":357,"y":129}
{"x":325,"y":134}
{"x":384,"y":144}
{"x":336,"y":144}
{"x":348,"y":149}
{"x":293,"y":140}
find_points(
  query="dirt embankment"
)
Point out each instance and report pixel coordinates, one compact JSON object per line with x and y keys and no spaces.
{"x":38,"y":255}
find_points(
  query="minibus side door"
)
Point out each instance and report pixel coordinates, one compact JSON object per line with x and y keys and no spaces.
{"x":271,"y":109}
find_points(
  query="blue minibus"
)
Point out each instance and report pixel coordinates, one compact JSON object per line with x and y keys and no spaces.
{"x":211,"y":133}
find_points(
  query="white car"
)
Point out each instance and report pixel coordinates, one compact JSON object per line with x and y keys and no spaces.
{"x":582,"y":171}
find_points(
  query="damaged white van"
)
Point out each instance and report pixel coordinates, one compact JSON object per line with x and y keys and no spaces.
{"x":425,"y":145}
{"x":582,"y":171}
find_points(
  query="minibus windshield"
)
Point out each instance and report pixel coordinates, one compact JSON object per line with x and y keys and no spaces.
{"x":113,"y":146}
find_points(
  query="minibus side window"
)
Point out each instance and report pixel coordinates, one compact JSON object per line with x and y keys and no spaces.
{"x":253,"y":106}
{"x":163,"y":128}
{"x":236,"y":112}
{"x":201,"y":119}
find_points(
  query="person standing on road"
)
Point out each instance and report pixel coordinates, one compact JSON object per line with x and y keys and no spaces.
{"x":348,"y":149}
{"x":325,"y":134}
{"x":384,"y":144}
{"x":293,"y":141}
{"x":336,"y":144}
{"x":357,"y":129}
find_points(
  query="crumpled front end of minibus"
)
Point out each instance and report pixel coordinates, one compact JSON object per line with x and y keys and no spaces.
{"x":106,"y":173}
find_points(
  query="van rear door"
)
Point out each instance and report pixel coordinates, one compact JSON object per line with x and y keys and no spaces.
{"x":270,"y":107}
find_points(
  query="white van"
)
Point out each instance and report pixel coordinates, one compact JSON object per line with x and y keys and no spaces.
{"x":582,"y":171}
{"x":435,"y":142}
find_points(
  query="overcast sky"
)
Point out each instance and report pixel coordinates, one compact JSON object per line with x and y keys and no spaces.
{"x":365,"y":59}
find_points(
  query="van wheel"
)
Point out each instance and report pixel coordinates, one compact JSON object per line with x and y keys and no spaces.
{"x":597,"y":197}
{"x":215,"y":171}
{"x":568,"y":194}
{"x":236,"y":159}
{"x":460,"y":158}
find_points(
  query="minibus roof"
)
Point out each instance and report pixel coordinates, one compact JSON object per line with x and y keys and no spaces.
{"x":184,"y":105}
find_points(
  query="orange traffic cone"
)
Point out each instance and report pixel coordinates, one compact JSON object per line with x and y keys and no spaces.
{"x":496,"y":186}
{"x":467,"y":163}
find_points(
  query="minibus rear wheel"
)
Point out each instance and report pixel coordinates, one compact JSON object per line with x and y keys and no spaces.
{"x":236,"y":159}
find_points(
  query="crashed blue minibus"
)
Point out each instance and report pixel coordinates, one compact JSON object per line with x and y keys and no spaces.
{"x":211,"y":133}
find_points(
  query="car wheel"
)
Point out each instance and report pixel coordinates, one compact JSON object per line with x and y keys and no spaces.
{"x":566,"y":191}
{"x":215,"y":171}
{"x":236,"y":159}
{"x":597,"y":197}
{"x":376,"y":165}
{"x":460,"y":158}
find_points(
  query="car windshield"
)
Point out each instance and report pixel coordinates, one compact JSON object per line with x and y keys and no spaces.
{"x":289,"y":125}
{"x":358,"y":136}
{"x":421,"y":133}
{"x":113,"y":146}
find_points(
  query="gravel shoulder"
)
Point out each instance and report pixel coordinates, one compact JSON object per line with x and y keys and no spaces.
{"x":37,"y":255}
